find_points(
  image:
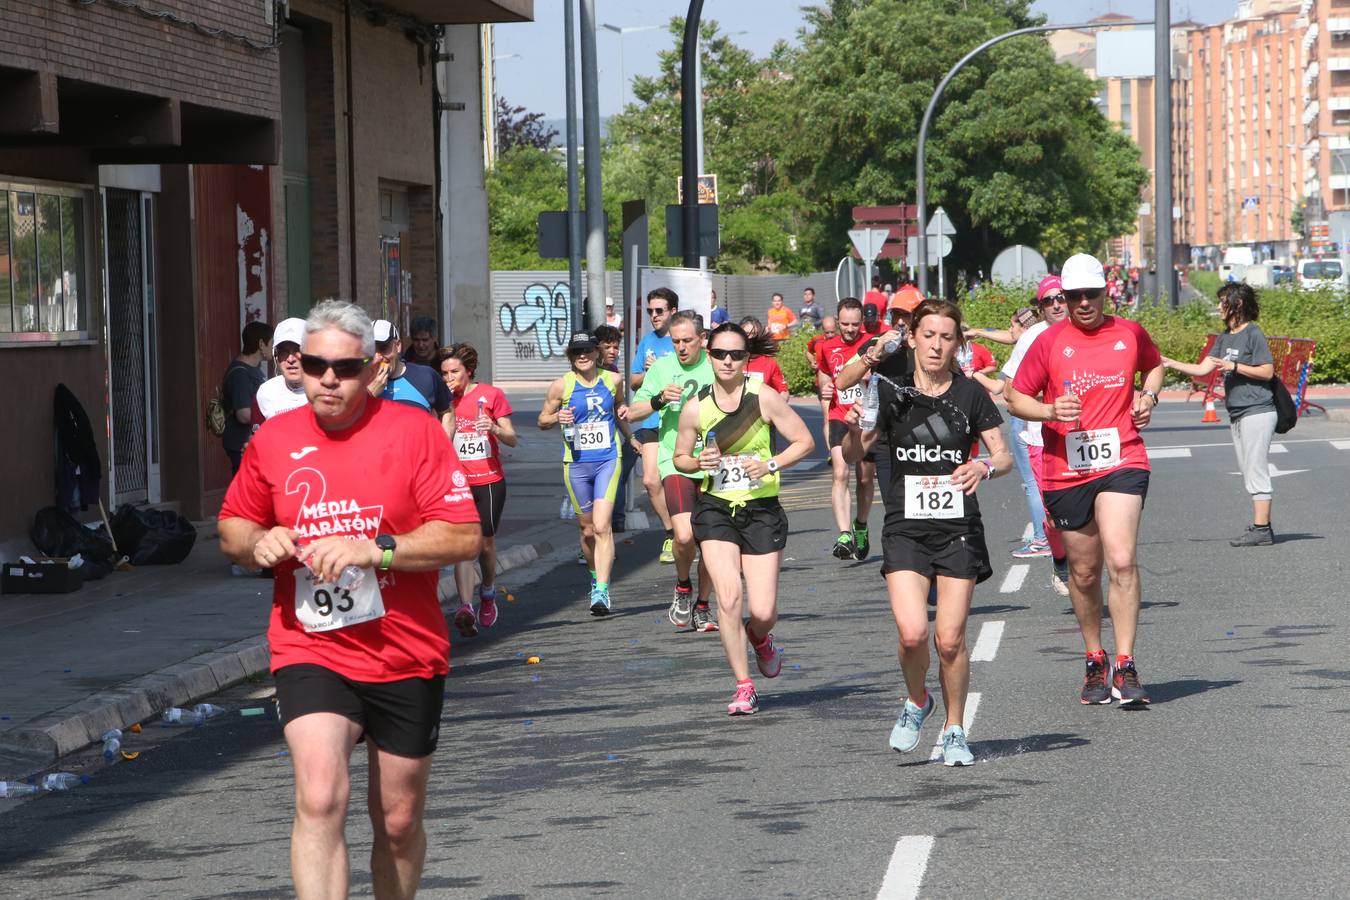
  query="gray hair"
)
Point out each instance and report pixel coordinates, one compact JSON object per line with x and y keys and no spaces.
{"x":345,"y":317}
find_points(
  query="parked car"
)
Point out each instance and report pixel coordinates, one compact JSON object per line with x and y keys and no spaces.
{"x":1317,"y":273}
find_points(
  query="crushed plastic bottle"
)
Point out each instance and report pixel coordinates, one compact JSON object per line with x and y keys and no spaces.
{"x":209,"y":710}
{"x":17,"y":789}
{"x":871,"y":406}
{"x":112,"y":744}
{"x":62,"y":781}
{"x":175,"y":716}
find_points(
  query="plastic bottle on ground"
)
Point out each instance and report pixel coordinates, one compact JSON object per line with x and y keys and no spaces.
{"x":175,"y":716}
{"x":17,"y":789}
{"x":209,"y":710}
{"x":62,"y":781}
{"x":112,"y":742}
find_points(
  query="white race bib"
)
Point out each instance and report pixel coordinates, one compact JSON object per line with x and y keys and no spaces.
{"x":1089,"y":450}
{"x":849,"y":396}
{"x":470,"y":445}
{"x":322,"y":606}
{"x":731,"y":475}
{"x":933,"y":497}
{"x":593,"y":436}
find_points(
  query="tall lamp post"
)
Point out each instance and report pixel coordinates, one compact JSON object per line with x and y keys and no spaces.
{"x":622,"y":30}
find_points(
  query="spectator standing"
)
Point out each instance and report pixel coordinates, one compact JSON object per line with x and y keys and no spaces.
{"x":612,"y":319}
{"x":243,"y":377}
{"x":719,"y":313}
{"x":781,"y":319}
{"x":285,"y":391}
{"x":811,"y":313}
{"x":423,"y":349}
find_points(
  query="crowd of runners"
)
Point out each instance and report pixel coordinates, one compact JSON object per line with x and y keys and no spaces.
{"x":384,"y":474}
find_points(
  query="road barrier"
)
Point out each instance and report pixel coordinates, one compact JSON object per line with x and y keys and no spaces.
{"x":1293,"y":358}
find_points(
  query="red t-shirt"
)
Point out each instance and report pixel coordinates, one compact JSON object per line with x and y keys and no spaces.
{"x":977,"y":358}
{"x":387,"y":474}
{"x":479,"y":454}
{"x":1099,"y":366}
{"x":766,"y":369}
{"x":831,"y":357}
{"x":877,"y":299}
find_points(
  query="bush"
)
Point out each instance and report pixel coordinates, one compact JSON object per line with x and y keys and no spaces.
{"x":801,"y":378}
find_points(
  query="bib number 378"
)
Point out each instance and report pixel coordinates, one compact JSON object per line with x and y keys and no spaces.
{"x":1088,"y":450}
{"x":323,"y":606}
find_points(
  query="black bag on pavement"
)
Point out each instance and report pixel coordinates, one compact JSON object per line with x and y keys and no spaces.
{"x":152,"y":537}
{"x":1286,"y":413}
{"x":56,"y":533}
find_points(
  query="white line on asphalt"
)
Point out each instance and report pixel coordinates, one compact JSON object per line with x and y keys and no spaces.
{"x":972,"y":704}
{"x":1230,"y":443}
{"x":904,"y":874}
{"x":1278,"y":448}
{"x":986,"y":645}
{"x":1341,"y":445}
{"x":1026,"y":533}
{"x":1172,"y":453}
{"x":1012,"y":582}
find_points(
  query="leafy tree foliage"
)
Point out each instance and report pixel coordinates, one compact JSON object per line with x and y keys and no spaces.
{"x":516,"y":128}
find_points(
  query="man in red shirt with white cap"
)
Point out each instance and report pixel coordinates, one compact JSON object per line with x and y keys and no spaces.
{"x":1078,"y":378}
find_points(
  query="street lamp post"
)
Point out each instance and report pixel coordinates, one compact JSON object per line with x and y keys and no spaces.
{"x":621,"y":30}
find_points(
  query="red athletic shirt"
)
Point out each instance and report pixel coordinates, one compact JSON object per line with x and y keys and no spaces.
{"x":831,"y":357}
{"x":1100,"y":366}
{"x":766,"y":369}
{"x":469,"y":444}
{"x":979,"y":359}
{"x":387,"y":474}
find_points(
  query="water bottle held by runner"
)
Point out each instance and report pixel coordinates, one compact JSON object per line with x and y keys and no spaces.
{"x":351,"y":577}
{"x":710,"y":443}
{"x":482,"y":402}
{"x":893,"y":346}
{"x":871,"y":406}
{"x":1068,"y":392}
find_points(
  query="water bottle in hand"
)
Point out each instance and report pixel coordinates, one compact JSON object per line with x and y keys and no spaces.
{"x":871,"y":406}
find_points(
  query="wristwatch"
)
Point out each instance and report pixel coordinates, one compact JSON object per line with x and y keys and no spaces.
{"x":771,"y":465}
{"x":1152,"y":394}
{"x":387,"y":544}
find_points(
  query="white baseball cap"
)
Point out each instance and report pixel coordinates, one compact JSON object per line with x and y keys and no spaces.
{"x":289,"y":331}
{"x":609,"y":301}
{"x":385,"y":331}
{"x":1082,"y":270}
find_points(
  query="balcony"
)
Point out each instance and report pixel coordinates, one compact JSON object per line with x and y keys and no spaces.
{"x":463,"y":12}
{"x":1337,"y":25}
{"x":1338,"y":64}
{"x":1338,"y":103}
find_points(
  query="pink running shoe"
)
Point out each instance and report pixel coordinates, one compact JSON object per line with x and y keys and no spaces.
{"x":464,"y":621}
{"x":745,"y":702}
{"x":769,"y":660}
{"x":487,"y":609}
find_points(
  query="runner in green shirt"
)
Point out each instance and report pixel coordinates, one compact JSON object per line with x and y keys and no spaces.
{"x":668,"y":384}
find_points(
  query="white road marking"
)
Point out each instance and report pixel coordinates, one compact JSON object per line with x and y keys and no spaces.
{"x":904,"y":874}
{"x":986,"y":645}
{"x":1341,"y":445}
{"x":1276,"y":471}
{"x":1170,"y":453}
{"x":1230,"y":443}
{"x":972,"y":704}
{"x":1012,"y":582}
{"x":1278,"y":448}
{"x":1026,"y":533}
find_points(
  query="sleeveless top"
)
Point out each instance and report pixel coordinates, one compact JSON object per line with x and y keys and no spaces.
{"x":595,"y":436}
{"x":741,"y":435}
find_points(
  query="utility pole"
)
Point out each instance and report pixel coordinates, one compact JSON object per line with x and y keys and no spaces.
{"x":574,"y":230}
{"x":1162,"y":148}
{"x":689,"y":88}
{"x":595,"y":207}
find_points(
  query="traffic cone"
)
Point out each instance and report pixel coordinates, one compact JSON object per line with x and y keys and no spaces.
{"x":1210,"y":417}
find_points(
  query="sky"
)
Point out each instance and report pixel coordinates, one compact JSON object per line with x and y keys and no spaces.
{"x":530,"y":55}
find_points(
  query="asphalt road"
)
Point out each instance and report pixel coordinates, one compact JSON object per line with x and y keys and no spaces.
{"x":611,"y":769}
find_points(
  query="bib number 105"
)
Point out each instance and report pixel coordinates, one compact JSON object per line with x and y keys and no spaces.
{"x":1086,"y":450}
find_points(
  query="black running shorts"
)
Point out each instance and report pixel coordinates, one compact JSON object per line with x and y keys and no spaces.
{"x":1073,"y":508}
{"x":401,"y":717}
{"x":935,"y":553}
{"x":681,"y":493}
{"x":647,"y":435}
{"x":489,"y":499}
{"x":837,"y":431}
{"x":758,"y":527}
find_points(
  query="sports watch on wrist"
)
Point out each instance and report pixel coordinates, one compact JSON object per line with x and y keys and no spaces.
{"x":1152,"y":394}
{"x":387,"y":544}
{"x":771,"y":465}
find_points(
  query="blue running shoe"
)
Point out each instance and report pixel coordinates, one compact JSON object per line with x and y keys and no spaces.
{"x":905,"y":734}
{"x":600,"y":601}
{"x":955,"y":750}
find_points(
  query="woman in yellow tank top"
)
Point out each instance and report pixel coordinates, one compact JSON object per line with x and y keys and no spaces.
{"x":738,"y":522}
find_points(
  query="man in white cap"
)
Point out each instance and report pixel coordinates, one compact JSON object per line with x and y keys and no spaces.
{"x":406,"y":382}
{"x":612,"y":319}
{"x":1078,"y":378}
{"x":286,"y":390}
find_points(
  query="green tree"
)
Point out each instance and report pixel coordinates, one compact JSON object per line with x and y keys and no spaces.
{"x":525,"y":182}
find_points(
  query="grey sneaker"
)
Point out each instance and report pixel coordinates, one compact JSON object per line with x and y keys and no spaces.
{"x":905,"y":734}
{"x":703,"y":620}
{"x":681,"y":607}
{"x":1255,"y":536}
{"x":955,"y":750}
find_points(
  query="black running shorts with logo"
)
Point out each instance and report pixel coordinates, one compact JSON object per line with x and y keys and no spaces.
{"x":401,"y":717}
{"x":758,"y":527}
{"x":1073,"y":508}
{"x":647,"y":435}
{"x":935,"y":553}
{"x":681,"y":493}
{"x":489,"y":499}
{"x":837,"y":431}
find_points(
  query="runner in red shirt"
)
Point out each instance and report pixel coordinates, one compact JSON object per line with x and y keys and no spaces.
{"x":1095,"y":466}
{"x":831,"y":357}
{"x":828,"y":329}
{"x":877,"y":299}
{"x":356,"y":504}
{"x":479,"y":419}
{"x":763,"y":367}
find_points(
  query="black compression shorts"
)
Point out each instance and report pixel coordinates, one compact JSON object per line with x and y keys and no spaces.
{"x":401,"y":717}
{"x":758,"y":526}
{"x":1073,"y":508}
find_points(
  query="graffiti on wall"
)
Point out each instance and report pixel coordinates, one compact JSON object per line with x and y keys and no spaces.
{"x":540,"y":323}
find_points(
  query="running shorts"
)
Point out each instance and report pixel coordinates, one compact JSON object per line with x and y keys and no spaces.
{"x":489,"y":498}
{"x":935,"y":553}
{"x":1073,"y":508}
{"x":590,"y":481}
{"x":401,"y":717}
{"x":837,"y":431}
{"x":647,"y":435}
{"x":758,"y":526}
{"x":681,"y":493}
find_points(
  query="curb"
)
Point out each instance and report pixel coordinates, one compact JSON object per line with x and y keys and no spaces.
{"x":77,"y":726}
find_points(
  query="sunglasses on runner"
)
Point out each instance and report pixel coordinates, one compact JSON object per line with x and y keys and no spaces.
{"x":1052,"y":299}
{"x":1084,"y":294}
{"x":657,"y":311}
{"x":728,"y":353}
{"x":317,"y":366}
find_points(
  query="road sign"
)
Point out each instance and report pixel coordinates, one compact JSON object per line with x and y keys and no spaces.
{"x":940,"y":224}
{"x":938,"y":247}
{"x":868,"y":241}
{"x":553,"y":234}
{"x":707,"y":189}
{"x":903,"y":212}
{"x":709,"y":232}
{"x":1018,"y":264}
{"x":848,"y":279}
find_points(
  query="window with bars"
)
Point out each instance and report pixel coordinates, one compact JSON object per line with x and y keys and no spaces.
{"x":44,"y":268}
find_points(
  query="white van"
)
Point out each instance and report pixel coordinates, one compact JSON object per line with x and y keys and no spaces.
{"x":1319,"y":273}
{"x":1235,"y":263}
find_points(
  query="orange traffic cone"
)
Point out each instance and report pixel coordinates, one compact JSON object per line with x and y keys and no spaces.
{"x":1210,"y":417}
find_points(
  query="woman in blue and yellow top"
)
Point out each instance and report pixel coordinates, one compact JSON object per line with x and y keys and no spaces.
{"x":588,"y":403}
{"x":738,"y":522}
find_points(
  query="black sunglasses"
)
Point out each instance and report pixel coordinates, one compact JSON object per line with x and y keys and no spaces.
{"x":728,"y":353}
{"x":1085,"y":294}
{"x":317,"y":366}
{"x":1052,"y":299}
{"x":657,"y":311}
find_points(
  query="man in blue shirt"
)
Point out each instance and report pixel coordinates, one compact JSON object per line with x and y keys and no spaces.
{"x":661,"y":302}
{"x":406,"y":382}
{"x":719,"y":313}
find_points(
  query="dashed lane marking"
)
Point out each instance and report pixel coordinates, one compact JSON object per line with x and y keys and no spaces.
{"x":972,"y":704}
{"x":904,"y":873}
{"x":1012,"y":582}
{"x":986,"y":645}
{"x":1172,"y":453}
{"x":1339,"y":445}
